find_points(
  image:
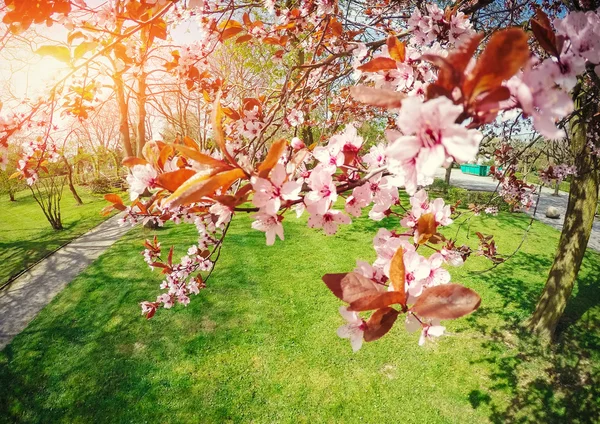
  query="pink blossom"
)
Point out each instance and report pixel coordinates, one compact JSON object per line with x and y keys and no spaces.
{"x":437,"y":274}
{"x":372,"y":272}
{"x":323,"y":191}
{"x":330,"y":157}
{"x":348,"y":140}
{"x":166,"y":300}
{"x":379,"y":190}
{"x":376,"y":157}
{"x":141,"y":178}
{"x":491,"y":210}
{"x":354,"y":206}
{"x":583,"y":31}
{"x":353,"y":330}
{"x":441,"y":212}
{"x":452,"y":257}
{"x":148,"y":309}
{"x":270,"y":225}
{"x":386,"y":244}
{"x":297,"y":144}
{"x":269,"y":193}
{"x":565,"y":72}
{"x":536,"y":94}
{"x":223,"y":213}
{"x":295,"y":117}
{"x":429,"y":138}
{"x":328,"y":221}
{"x":428,"y":330}
{"x":417,"y":270}
{"x":421,"y":206}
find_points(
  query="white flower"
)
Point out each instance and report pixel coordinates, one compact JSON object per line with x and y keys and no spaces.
{"x":354,"y":330}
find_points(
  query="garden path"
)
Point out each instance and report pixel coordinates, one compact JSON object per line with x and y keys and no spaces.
{"x":474,"y":182}
{"x":25,"y":297}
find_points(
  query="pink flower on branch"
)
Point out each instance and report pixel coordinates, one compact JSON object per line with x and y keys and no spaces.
{"x":270,"y":225}
{"x":270,"y":193}
{"x":141,"y":178}
{"x":428,"y":138}
{"x":354,"y":329}
{"x":328,"y":221}
{"x":323,"y":191}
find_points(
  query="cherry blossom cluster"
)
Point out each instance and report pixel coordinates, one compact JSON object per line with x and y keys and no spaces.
{"x":184,"y":278}
{"x":419,"y":272}
{"x":36,"y":153}
{"x":542,"y":89}
{"x":437,"y":26}
{"x":428,"y":137}
{"x":513,"y":190}
{"x":557,"y":173}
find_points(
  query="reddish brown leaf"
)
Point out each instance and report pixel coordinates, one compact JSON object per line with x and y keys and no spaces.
{"x":351,"y":286}
{"x":108,"y":209}
{"x":131,"y":161}
{"x":447,"y":301}
{"x":165,"y":153}
{"x":230,"y":113}
{"x":187,"y":141}
{"x":151,"y":152}
{"x":505,"y":53}
{"x":396,"y":48}
{"x":275,"y":153}
{"x":542,"y":29}
{"x":426,"y":228}
{"x":397,"y":273}
{"x":172,"y":180}
{"x":217,"y":125}
{"x":336,"y":27}
{"x":243,"y":38}
{"x":246,"y":19}
{"x":113,"y":198}
{"x":201,"y":186}
{"x":230,"y":32}
{"x":452,"y":68}
{"x":170,"y":257}
{"x":143,"y":208}
{"x":271,"y":40}
{"x":378,"y":64}
{"x":377,"y":300}
{"x":201,"y":158}
{"x":377,"y":97}
{"x":379,"y":323}
{"x":498,"y":95}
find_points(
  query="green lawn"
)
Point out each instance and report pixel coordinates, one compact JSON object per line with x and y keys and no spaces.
{"x":26,"y":236}
{"x":259,"y":344}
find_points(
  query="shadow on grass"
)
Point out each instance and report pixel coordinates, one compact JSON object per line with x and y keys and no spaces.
{"x":548,"y":384}
{"x":95,"y":368}
{"x":18,"y":255}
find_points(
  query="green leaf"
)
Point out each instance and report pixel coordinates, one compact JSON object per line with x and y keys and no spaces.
{"x":61,"y":53}
{"x":83,"y":48}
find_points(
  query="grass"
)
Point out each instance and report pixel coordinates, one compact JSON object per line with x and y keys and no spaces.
{"x":26,"y":236}
{"x":259,"y":344}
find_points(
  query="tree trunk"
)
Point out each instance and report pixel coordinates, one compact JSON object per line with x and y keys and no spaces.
{"x":70,"y":182}
{"x":123,"y":115}
{"x":556,"y":188}
{"x":573,"y":241}
{"x":11,"y":195}
{"x":448,"y":173}
{"x":141,"y":104}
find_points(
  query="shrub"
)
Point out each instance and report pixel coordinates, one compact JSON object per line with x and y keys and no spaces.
{"x":466,"y":197}
{"x":103,"y":185}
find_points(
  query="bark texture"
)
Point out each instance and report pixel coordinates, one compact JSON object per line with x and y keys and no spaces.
{"x":574,"y":238}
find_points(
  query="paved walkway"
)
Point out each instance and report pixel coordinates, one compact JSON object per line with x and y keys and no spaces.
{"x":473,"y":182}
{"x":25,"y":297}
